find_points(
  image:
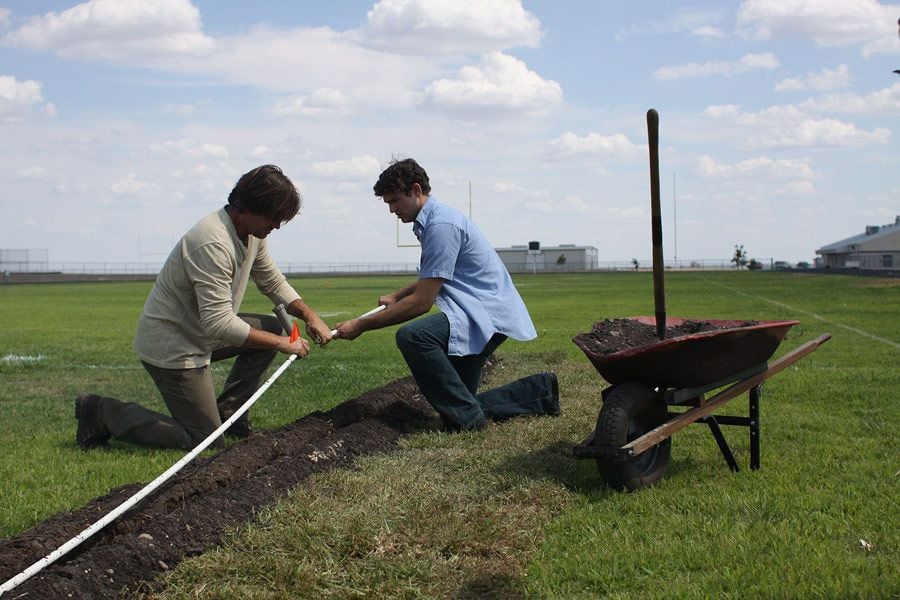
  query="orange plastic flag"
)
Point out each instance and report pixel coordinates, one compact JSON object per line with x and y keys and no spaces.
{"x":295,"y":332}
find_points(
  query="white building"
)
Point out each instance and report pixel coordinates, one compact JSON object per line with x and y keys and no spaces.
{"x":876,"y":249}
{"x":533,"y":258}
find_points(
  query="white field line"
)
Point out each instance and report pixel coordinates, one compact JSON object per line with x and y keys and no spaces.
{"x":20,"y":359}
{"x":806,"y":312}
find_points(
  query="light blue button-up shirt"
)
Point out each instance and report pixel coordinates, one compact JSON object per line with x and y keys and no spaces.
{"x":478,"y":296}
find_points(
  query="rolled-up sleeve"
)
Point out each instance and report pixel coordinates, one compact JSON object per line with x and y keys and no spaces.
{"x":211,"y":271}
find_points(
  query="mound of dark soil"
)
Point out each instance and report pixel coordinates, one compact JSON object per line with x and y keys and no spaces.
{"x":613,"y":335}
{"x":189,"y":514}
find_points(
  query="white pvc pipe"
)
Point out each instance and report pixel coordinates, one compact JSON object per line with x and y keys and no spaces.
{"x":143,"y":493}
{"x":377,"y":309}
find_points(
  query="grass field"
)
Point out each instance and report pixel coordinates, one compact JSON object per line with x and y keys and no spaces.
{"x":507,"y":512}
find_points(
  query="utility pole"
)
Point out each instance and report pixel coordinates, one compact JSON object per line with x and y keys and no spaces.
{"x":674,"y":217}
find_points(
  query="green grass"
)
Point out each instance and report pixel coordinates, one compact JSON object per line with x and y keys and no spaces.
{"x":507,"y":512}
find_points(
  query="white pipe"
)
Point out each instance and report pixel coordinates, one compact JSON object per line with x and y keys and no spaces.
{"x":377,"y":309}
{"x":150,"y":487}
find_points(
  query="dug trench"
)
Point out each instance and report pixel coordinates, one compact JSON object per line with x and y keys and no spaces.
{"x":190,"y":513}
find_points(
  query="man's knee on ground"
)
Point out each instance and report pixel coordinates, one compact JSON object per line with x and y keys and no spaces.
{"x":405,"y":337}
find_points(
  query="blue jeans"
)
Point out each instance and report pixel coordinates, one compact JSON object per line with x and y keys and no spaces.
{"x":450,"y":383}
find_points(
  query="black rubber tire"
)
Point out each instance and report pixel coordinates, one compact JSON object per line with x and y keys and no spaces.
{"x":630,"y":410}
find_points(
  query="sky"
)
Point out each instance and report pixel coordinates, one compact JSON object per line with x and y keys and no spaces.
{"x":124,"y":122}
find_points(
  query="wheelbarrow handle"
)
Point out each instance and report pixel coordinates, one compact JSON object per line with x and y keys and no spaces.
{"x":667,"y":429}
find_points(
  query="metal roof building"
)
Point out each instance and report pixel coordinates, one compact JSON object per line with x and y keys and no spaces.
{"x":565,"y":258}
{"x":878,"y":248}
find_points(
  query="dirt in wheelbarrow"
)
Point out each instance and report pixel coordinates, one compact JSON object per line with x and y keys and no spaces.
{"x":614,"y":335}
{"x":189,"y":514}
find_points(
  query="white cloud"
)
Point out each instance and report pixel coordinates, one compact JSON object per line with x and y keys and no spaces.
{"x":500,"y":83}
{"x":35,"y":172}
{"x":823,"y":81}
{"x":438,"y":26}
{"x":116,"y":30}
{"x":827,"y":22}
{"x":755,"y":167}
{"x":788,"y":126}
{"x":189,"y":147}
{"x":360,"y":167}
{"x":4,"y":16}
{"x":747,"y":62}
{"x":882,"y":102}
{"x":129,"y":185}
{"x":707,"y":31}
{"x":324,"y":102}
{"x":505,"y":187}
{"x":293,"y":61}
{"x":261,"y":151}
{"x":698,"y":22}
{"x":593,"y":144}
{"x":799,"y":188}
{"x":19,"y":98}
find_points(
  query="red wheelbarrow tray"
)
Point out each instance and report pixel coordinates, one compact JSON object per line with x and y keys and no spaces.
{"x":693,"y":360}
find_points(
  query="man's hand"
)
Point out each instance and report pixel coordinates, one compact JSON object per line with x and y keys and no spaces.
{"x":349,"y":330}
{"x":300,"y":347}
{"x":315,"y":326}
{"x":318,"y":330}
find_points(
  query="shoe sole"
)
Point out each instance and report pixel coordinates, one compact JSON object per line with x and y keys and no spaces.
{"x":87,"y":442}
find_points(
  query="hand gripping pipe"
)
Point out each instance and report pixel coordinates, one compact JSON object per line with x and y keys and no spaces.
{"x":377,"y":309}
{"x":149,"y":488}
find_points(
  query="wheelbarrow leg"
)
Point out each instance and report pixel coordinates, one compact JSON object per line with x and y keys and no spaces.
{"x":720,"y":440}
{"x":755,"y":394}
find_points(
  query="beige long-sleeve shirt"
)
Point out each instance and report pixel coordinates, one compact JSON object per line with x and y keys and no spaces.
{"x":192,"y":308}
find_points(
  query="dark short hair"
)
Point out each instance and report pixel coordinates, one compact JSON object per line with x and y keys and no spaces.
{"x":267,"y":191}
{"x":400,"y":177}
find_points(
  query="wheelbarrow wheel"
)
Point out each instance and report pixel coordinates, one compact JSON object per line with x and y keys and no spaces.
{"x":629,"y":411}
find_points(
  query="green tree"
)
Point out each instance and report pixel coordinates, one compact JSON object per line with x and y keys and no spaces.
{"x":740,"y":256}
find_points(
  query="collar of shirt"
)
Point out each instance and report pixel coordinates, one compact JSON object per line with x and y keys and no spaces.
{"x":422,"y":218}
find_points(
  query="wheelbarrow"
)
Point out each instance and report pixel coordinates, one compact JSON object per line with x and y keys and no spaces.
{"x":632,"y":438}
{"x":660,"y":388}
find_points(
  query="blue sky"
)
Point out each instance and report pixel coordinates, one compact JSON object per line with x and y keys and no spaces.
{"x":122,"y":122}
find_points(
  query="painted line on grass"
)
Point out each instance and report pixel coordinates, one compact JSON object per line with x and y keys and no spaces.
{"x":806,"y":312}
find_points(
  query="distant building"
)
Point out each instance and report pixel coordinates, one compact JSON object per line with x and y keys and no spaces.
{"x":876,"y":249}
{"x":565,"y":258}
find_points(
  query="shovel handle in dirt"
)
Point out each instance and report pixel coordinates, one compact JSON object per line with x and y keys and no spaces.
{"x":377,"y":309}
{"x":659,"y":288}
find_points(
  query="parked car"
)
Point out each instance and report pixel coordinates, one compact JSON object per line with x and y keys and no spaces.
{"x":803,"y":265}
{"x":780,"y":265}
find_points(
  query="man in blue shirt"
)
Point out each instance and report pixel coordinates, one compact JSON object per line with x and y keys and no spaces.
{"x":479,"y":309}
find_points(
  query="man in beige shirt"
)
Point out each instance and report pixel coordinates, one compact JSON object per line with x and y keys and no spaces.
{"x":191,"y":319}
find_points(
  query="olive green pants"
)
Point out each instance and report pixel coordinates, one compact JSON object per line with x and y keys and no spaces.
{"x":189,"y":395}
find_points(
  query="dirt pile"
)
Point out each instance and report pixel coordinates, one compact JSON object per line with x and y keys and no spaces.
{"x":189,"y":514}
{"x":614,"y":335}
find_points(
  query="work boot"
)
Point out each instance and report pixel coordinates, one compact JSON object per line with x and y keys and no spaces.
{"x":551,"y":406}
{"x":91,"y":433}
{"x":241,"y":428}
